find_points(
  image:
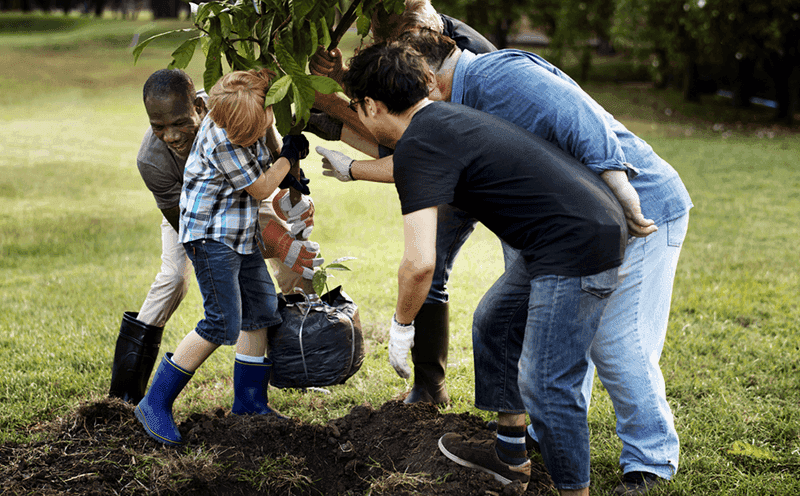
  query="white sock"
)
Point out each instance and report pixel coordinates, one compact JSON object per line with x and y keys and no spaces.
{"x":249,"y":359}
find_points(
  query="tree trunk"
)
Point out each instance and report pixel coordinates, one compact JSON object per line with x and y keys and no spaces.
{"x":744,"y":88}
{"x":164,"y":9}
{"x":691,"y":90}
{"x":501,"y":29}
{"x":99,"y":7}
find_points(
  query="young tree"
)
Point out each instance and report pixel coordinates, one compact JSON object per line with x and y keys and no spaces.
{"x":277,"y":34}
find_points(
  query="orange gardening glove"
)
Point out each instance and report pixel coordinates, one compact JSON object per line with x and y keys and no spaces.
{"x":299,"y":217}
{"x":300,"y":256}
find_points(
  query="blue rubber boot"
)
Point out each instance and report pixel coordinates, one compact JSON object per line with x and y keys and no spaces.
{"x":155,"y":410}
{"x":250,"y":384}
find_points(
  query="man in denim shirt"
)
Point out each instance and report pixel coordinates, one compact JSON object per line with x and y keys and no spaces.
{"x":527,"y":90}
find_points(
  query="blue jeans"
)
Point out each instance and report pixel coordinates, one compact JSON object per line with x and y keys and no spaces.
{"x":453,"y":228}
{"x":626,"y":350}
{"x":237,"y":290}
{"x":546,"y":363}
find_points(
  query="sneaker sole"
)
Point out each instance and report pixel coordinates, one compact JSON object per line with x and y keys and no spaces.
{"x":464,"y":463}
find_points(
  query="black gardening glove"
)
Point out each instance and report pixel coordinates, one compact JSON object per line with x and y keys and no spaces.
{"x":295,"y":148}
{"x":289,"y":181}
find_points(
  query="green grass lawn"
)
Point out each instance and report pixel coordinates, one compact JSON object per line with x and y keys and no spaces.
{"x":80,"y":244}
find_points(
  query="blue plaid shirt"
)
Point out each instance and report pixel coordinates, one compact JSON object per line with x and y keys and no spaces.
{"x":525,"y":89}
{"x":214,"y":204}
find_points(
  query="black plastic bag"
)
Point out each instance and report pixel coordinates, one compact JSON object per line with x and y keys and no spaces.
{"x":319,"y":342}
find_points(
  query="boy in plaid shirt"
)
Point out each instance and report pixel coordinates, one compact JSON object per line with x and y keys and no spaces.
{"x":228,"y":173}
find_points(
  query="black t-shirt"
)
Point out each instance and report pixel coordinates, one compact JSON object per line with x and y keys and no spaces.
{"x":465,"y":37}
{"x":534,"y":196}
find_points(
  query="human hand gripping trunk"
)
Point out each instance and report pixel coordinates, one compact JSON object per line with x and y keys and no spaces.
{"x":628,"y":198}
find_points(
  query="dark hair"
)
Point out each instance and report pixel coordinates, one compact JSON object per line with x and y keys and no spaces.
{"x":392,"y":73}
{"x":435,"y":47}
{"x":167,"y":82}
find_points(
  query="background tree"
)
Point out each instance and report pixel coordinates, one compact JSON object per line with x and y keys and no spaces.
{"x":165,"y":9}
{"x":495,"y":19}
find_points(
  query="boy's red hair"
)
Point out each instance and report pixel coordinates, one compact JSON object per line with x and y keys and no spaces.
{"x":236,"y":104}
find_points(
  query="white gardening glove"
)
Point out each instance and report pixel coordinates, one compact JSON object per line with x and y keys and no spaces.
{"x":401,"y":339}
{"x":628,"y":198}
{"x":300,"y":217}
{"x":336,"y":164}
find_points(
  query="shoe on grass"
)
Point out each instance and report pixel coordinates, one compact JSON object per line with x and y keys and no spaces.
{"x":634,"y":483}
{"x":481,"y":455}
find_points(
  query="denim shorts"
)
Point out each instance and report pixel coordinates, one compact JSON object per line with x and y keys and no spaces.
{"x":238,"y":293}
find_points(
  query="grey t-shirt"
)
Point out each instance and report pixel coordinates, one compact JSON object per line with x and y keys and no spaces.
{"x":161,"y":169}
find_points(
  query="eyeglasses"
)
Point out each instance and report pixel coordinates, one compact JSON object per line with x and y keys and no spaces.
{"x":352,"y":105}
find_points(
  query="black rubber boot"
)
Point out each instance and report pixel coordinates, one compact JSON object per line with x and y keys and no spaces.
{"x":134,"y":358}
{"x":429,"y":354}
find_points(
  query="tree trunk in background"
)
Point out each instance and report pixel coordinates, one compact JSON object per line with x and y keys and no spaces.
{"x":691,"y":91}
{"x":744,"y":88}
{"x":99,"y":7}
{"x":165,"y":9}
{"x":501,"y":29}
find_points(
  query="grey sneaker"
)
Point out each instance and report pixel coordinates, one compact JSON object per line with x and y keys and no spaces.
{"x":635,"y":483}
{"x":481,"y":455}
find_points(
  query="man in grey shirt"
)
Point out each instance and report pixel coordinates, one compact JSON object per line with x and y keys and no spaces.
{"x":175,"y":112}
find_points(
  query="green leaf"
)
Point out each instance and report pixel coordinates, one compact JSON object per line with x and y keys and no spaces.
{"x":204,"y":11}
{"x":396,"y":6}
{"x":319,"y":280}
{"x":313,"y":36}
{"x":300,"y":8}
{"x":283,"y":116}
{"x":303,"y":94}
{"x":287,"y":62}
{"x":362,"y":24}
{"x":226,"y":24}
{"x":137,"y":50}
{"x":238,"y":62}
{"x":278,"y":90}
{"x":335,"y":266}
{"x":324,"y":35}
{"x":184,"y":53}
{"x":324,"y":85}
{"x":213,"y":63}
{"x":265,"y":31}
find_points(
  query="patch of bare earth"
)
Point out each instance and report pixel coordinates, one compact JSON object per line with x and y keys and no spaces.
{"x":101,"y":449}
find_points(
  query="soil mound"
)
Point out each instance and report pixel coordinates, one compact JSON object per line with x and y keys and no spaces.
{"x":101,"y":449}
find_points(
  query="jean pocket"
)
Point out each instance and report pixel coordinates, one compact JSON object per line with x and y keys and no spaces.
{"x":601,"y":285}
{"x":676,"y":231}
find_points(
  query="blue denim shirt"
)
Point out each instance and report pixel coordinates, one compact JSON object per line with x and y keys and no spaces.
{"x":525,"y":89}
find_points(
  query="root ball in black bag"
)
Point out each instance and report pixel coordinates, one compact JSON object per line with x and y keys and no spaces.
{"x":319,"y":342}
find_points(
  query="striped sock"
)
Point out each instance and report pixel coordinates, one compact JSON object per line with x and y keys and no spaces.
{"x":510,"y":444}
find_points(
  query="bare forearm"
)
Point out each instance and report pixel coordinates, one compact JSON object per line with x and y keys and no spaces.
{"x":268,"y":182}
{"x":364,"y":144}
{"x":378,"y":171}
{"x":336,"y":106}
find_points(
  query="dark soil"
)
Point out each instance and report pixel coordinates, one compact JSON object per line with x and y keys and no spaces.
{"x":102,"y":450}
